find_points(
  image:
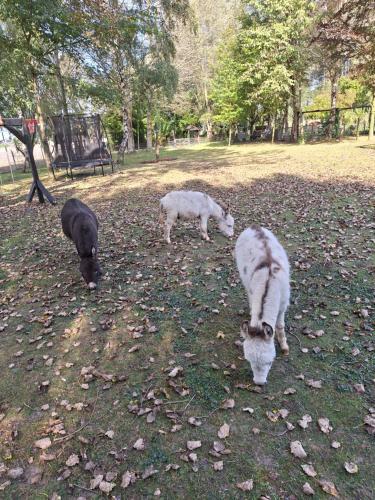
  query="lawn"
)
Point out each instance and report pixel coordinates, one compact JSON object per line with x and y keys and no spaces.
{"x":118,"y":383}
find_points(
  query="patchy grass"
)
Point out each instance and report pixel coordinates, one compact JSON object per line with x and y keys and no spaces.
{"x":182,"y":306}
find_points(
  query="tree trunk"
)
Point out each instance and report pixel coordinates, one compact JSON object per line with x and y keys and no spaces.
{"x":157,"y":145}
{"x":125,"y":131}
{"x":230,"y":135}
{"x":42,"y":126}
{"x":284,"y":128}
{"x":210,"y":134}
{"x":372,"y":119}
{"x":357,"y":129}
{"x":273,"y":130}
{"x":60,"y":81}
{"x":295,"y":124}
{"x":332,"y":117}
{"x":149,"y":130}
{"x":131,"y":143}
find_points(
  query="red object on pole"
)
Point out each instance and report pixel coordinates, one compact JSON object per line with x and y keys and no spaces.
{"x":31,"y":124}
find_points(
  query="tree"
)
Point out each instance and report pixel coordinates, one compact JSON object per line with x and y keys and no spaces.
{"x":346,"y":30}
{"x":196,"y":56}
{"x":123,"y":36}
{"x":32,"y":32}
{"x":228,"y":102}
{"x":273,"y":50}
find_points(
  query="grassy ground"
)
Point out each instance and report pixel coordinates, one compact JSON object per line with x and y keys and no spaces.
{"x":159,"y":308}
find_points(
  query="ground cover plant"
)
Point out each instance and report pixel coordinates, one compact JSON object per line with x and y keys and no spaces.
{"x":140,"y":389}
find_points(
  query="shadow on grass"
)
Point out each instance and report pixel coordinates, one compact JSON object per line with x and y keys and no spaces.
{"x":189,"y":292}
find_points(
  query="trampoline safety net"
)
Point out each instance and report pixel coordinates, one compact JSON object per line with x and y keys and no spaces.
{"x":79,"y":142}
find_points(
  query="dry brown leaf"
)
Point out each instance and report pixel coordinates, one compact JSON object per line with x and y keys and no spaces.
{"x":223,"y":432}
{"x":304,"y":422}
{"x":228,"y":404}
{"x":316,"y":384}
{"x":309,"y":470}
{"x":106,"y":487}
{"x":290,"y":390}
{"x":246,"y":485}
{"x":194,"y":421}
{"x":15,"y":473}
{"x":139,"y":444}
{"x":192,"y":445}
{"x":127,"y":479}
{"x":328,"y":487}
{"x":324,"y":425}
{"x":297,"y":450}
{"x":72,"y":460}
{"x":149,"y":471}
{"x":306,"y":488}
{"x":43,"y":443}
{"x":94,"y":483}
{"x":218,"y":465}
{"x":283,"y":413}
{"x":351,"y":467}
{"x":175,"y":371}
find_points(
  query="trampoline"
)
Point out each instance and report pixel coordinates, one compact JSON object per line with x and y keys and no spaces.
{"x":80,"y":141}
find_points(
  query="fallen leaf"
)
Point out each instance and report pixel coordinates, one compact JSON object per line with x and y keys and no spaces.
{"x":109,"y":434}
{"x":72,"y":460}
{"x":297,"y":450}
{"x":328,"y":487}
{"x":306,"y":488}
{"x":106,"y":487}
{"x":223,"y":432}
{"x":149,"y":471}
{"x":94,"y":483}
{"x":290,"y":390}
{"x":316,"y":384}
{"x":192,"y":445}
{"x":283,"y":412}
{"x":359,"y":388}
{"x":175,"y":371}
{"x":194,"y":421}
{"x":139,"y":444}
{"x":43,"y":443}
{"x":309,"y":470}
{"x":351,"y":467}
{"x":127,"y":479}
{"x":335,"y":444}
{"x":304,"y":422}
{"x":218,"y":465}
{"x":15,"y":473}
{"x":228,"y":404}
{"x":248,"y":409}
{"x":324,"y":425}
{"x":246,"y":485}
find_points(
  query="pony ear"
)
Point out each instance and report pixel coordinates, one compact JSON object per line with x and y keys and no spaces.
{"x":245,"y":329}
{"x":93,"y":251}
{"x":268,"y":330}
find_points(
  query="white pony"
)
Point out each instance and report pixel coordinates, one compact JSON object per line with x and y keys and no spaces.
{"x":192,"y":205}
{"x":264,"y":269}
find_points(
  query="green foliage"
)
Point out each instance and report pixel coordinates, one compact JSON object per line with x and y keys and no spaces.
{"x":113,"y":124}
{"x":226,"y":89}
{"x":271,"y":49}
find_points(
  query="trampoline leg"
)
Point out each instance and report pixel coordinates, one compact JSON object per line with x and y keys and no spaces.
{"x":71,"y":173}
{"x":102,"y":171}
